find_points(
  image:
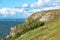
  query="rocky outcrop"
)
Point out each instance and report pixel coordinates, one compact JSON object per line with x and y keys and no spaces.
{"x":13,"y":32}
{"x":47,"y":17}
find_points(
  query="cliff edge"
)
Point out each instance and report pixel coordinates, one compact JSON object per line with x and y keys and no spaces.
{"x":43,"y":25}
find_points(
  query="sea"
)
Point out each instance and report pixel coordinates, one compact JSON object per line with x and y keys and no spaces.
{"x":5,"y":26}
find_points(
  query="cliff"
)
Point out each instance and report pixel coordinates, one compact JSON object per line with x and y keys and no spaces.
{"x":43,"y":25}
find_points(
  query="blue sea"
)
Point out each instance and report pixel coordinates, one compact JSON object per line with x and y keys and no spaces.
{"x":5,"y":26}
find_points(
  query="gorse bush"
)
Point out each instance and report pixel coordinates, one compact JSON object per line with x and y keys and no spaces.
{"x":33,"y":26}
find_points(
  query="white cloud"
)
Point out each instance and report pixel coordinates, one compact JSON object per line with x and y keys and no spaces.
{"x":38,"y":3}
{"x":25,"y":5}
{"x":45,"y":3}
{"x":3,"y":11}
{"x":20,"y":10}
{"x":51,"y":8}
{"x":10,"y":11}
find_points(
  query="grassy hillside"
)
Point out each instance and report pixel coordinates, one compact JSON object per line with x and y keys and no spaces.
{"x":43,"y":25}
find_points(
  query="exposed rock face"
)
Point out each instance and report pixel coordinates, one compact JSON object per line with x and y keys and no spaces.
{"x":13,"y":31}
{"x":36,"y":16}
{"x":46,"y":17}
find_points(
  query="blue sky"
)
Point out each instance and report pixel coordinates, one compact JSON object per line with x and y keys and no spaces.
{"x":24,"y":8}
{"x":14,"y":3}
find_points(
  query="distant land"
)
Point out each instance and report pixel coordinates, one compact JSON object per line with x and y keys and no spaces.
{"x":13,"y":19}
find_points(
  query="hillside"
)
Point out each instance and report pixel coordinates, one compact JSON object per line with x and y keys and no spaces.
{"x":43,"y":25}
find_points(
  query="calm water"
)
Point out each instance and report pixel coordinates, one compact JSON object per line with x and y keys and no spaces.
{"x":6,"y":25}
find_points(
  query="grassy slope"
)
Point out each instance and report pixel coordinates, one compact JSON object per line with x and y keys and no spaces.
{"x":49,"y":31}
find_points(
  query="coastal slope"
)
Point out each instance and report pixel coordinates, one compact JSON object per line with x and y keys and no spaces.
{"x":44,"y":25}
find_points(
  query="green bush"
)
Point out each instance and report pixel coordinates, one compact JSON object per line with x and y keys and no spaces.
{"x":33,"y":26}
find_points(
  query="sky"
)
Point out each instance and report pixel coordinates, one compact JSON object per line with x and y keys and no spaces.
{"x":14,"y":3}
{"x":24,"y":8}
